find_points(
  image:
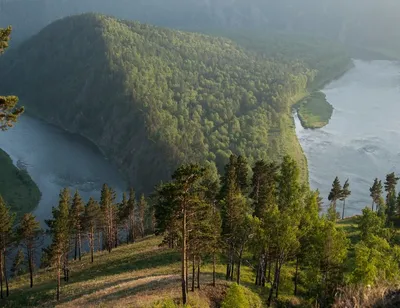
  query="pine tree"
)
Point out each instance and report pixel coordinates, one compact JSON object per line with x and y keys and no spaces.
{"x":29,"y":234}
{"x":242,"y":174}
{"x":335,"y":193}
{"x":6,"y":239}
{"x":76,"y":217}
{"x":376,"y":192}
{"x":17,"y":266}
{"x":132,"y":215}
{"x":92,"y":223}
{"x":123,"y":213}
{"x":108,"y":216}
{"x":346,"y":192}
{"x":390,"y":188}
{"x":176,"y":202}
{"x":60,"y":230}
{"x":9,"y":113}
{"x":142,"y":208}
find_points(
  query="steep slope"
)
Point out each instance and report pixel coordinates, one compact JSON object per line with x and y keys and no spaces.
{"x":152,"y":98}
{"x":17,"y":188}
{"x":367,"y":23}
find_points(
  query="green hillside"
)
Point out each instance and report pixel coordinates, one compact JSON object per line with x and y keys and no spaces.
{"x":17,"y":187}
{"x":152,"y":98}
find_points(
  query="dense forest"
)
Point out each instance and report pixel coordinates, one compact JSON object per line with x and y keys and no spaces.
{"x":151,"y":98}
{"x":367,"y":24}
{"x":260,"y":226}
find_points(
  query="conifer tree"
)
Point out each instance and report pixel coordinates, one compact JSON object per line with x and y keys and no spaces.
{"x":60,"y":230}
{"x":346,"y":192}
{"x":29,"y":234}
{"x":176,"y":202}
{"x":6,"y":239}
{"x":142,"y":209}
{"x":335,"y":193}
{"x":17,"y":266}
{"x":132,"y":215}
{"x":108,"y":212}
{"x":390,"y":188}
{"x":9,"y":113}
{"x":242,"y":173}
{"x":92,"y":223}
{"x":76,"y":218}
{"x":376,"y":192}
{"x":123,"y":212}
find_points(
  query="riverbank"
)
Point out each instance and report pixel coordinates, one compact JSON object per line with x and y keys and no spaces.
{"x":314,"y":111}
{"x":17,"y":187}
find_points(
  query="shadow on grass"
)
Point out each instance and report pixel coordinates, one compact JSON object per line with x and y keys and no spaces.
{"x":45,"y":292}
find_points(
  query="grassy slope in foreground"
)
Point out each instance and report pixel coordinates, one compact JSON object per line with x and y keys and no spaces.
{"x":136,"y":275}
{"x":16,"y":186}
{"x":315,"y":111}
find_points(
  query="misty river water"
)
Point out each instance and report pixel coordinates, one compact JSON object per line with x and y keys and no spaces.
{"x":362,"y":140}
{"x":56,"y":159}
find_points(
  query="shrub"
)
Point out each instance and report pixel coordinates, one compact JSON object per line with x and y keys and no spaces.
{"x":240,"y":297}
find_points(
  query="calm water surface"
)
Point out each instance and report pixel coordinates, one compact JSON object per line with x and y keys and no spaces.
{"x":56,"y":159}
{"x":362,"y":140}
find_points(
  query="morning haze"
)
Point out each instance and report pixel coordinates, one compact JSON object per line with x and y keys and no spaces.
{"x":199,"y":153}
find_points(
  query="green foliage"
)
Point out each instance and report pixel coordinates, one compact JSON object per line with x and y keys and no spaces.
{"x":9,"y":113}
{"x":240,"y":297}
{"x":17,"y":187}
{"x":315,"y":111}
{"x":167,"y":303}
{"x":177,"y":97}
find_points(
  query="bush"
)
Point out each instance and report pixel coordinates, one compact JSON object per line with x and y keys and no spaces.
{"x":240,"y":297}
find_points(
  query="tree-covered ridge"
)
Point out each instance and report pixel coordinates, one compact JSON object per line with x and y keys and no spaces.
{"x":152,"y":98}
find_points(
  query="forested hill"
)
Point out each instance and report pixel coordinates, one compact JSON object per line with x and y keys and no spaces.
{"x":152,"y":98}
{"x":369,"y":24}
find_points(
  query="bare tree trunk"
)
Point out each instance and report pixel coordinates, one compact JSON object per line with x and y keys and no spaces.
{"x":344,"y":206}
{"x":372,"y":206}
{"x":1,"y":274}
{"x":296,"y":275}
{"x":278,"y":281}
{"x":30,"y":265}
{"x":239,"y":265}
{"x":193,"y":272}
{"x":214,"y":271}
{"x":80,"y":246}
{"x":271,"y":291}
{"x":76,"y":246}
{"x":198,"y":273}
{"x":233,"y":267}
{"x":58,"y":277}
{"x":183,"y":258}
{"x":187,"y":271}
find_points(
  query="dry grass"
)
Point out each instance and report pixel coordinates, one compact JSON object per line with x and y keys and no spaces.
{"x":380,"y":296}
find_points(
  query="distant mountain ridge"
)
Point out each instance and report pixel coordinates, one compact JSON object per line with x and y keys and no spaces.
{"x":367,"y":23}
{"x":151,"y":98}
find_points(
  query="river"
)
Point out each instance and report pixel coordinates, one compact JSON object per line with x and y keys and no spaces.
{"x":362,"y":139}
{"x":56,"y":159}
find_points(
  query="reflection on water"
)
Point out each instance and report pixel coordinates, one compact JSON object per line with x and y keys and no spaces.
{"x":56,"y":159}
{"x":362,"y":140}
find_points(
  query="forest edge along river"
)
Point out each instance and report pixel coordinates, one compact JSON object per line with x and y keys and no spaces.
{"x":362,"y":140}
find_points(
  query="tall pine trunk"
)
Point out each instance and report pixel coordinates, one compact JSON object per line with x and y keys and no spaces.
{"x":214,"y":271}
{"x":198,"y":273}
{"x":193,"y":272}
{"x":58,"y":277}
{"x":296,"y":276}
{"x":30,"y":265}
{"x":344,"y":206}
{"x":271,"y":291}
{"x":80,"y":246}
{"x":1,"y":274}
{"x":183,"y":258}
{"x":76,"y":246}
{"x":239,"y":264}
